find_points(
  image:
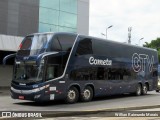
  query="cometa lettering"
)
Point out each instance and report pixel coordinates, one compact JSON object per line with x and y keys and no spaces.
{"x":93,"y":61}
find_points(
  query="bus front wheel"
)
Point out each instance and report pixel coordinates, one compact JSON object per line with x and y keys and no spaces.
{"x":72,"y":95}
{"x":87,"y":94}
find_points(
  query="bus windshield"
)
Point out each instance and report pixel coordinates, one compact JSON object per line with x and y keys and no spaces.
{"x":34,"y":44}
{"x":28,"y":73}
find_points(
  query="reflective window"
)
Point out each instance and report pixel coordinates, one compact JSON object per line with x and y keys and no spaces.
{"x":58,"y":16}
{"x":48,"y":16}
{"x":84,"y":47}
{"x":52,"y":71}
{"x":88,"y":73}
{"x":102,"y":73}
{"x":54,"y":67}
{"x":44,"y":27}
{"x":53,"y":4}
{"x":26,"y":43}
{"x":62,"y":42}
{"x":47,"y":27}
{"x":68,"y":6}
{"x":66,"y":29}
{"x":33,"y":45}
{"x":68,"y":20}
{"x":28,"y":73}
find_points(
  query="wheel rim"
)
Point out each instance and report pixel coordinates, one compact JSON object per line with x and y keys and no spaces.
{"x":71,"y":94}
{"x":87,"y":94}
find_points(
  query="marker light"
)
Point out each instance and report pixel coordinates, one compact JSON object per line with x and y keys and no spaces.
{"x":20,"y":46}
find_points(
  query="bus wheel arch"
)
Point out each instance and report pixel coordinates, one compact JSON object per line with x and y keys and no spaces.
{"x":72,"y":95}
{"x":87,"y":93}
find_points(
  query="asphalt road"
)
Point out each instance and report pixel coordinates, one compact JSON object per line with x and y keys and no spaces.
{"x":110,"y":103}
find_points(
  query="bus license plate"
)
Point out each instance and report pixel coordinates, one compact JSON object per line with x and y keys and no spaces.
{"x":21,"y":97}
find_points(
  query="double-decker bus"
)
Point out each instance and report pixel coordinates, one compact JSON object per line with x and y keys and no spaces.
{"x":72,"y":67}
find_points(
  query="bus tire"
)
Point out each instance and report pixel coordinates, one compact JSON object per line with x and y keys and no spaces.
{"x":87,"y":94}
{"x":72,"y":95}
{"x":138,"y":90}
{"x":144,"y":90}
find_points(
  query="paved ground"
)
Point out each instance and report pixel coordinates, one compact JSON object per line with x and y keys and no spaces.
{"x":102,"y":118}
{"x":99,"y":116}
{"x":4,"y":91}
{"x":111,"y":103}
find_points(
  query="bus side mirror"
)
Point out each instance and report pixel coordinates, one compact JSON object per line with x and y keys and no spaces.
{"x":7,"y":57}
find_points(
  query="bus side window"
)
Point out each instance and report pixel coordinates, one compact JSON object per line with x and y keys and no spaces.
{"x":100,"y":73}
{"x":155,"y":73}
{"x":84,"y":47}
{"x":119,"y":74}
{"x":87,"y":73}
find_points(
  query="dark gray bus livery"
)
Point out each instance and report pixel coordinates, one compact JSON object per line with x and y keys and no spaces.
{"x":72,"y":67}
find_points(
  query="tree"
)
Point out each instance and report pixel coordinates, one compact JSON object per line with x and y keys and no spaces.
{"x":155,"y":44}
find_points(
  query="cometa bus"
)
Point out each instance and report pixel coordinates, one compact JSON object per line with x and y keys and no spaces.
{"x":72,"y":67}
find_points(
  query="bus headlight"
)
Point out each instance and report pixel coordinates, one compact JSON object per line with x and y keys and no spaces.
{"x":36,"y":90}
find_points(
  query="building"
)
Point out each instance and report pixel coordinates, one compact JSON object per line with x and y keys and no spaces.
{"x":23,"y":17}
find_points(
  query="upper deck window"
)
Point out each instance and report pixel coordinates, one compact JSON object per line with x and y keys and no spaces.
{"x":84,"y":47}
{"x":34,"y":44}
{"x":26,"y":44}
{"x":62,"y":42}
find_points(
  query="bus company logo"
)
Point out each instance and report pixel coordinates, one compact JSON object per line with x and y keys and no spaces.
{"x":25,"y":58}
{"x":6,"y":114}
{"x":21,"y":114}
{"x":141,"y":61}
{"x":93,"y":61}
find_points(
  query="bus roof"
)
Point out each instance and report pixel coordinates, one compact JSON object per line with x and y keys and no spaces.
{"x":42,"y":33}
{"x":120,"y":43}
{"x":105,"y":40}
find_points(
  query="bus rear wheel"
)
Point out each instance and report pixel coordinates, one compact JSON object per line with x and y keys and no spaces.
{"x":72,"y":95}
{"x":138,"y":90}
{"x":87,"y":94}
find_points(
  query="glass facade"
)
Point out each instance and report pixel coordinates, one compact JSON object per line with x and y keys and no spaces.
{"x":58,"y":16}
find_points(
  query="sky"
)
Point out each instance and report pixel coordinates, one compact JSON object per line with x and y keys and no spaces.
{"x":142,"y":15}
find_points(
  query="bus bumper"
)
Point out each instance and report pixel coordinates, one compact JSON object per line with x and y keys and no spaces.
{"x":41,"y":96}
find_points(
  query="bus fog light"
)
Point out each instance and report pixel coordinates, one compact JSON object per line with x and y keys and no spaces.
{"x":37,"y":96}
